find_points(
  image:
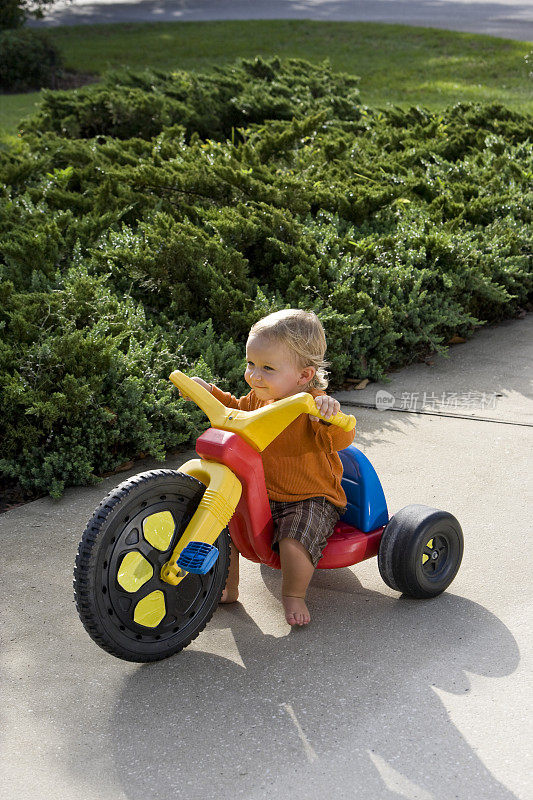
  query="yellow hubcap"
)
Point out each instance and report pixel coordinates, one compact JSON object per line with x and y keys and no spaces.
{"x":424,"y":556}
{"x":135,"y":570}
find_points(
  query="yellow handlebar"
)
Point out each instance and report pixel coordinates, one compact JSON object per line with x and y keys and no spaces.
{"x":215,"y":410}
{"x":260,"y":427}
{"x":345,"y":421}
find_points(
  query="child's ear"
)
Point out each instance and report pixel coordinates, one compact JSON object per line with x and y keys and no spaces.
{"x":306,"y":375}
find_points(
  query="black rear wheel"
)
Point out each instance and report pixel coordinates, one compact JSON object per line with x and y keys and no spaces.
{"x":123,"y":604}
{"x":420,"y":551}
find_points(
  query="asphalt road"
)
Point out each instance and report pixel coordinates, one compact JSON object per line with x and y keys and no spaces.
{"x":506,"y":18}
{"x":380,"y":698}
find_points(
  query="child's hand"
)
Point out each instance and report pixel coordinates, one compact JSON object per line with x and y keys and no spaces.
{"x":201,"y":382}
{"x":327,"y":406}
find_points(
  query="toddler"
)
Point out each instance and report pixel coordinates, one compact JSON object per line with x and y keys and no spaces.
{"x":285,"y":355}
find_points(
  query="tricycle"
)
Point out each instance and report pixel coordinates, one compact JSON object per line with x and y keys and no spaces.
{"x":153,"y":560}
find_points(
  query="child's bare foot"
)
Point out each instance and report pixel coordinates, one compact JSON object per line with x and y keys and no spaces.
{"x":229,"y":596}
{"x":230,"y":593}
{"x":296,"y":611}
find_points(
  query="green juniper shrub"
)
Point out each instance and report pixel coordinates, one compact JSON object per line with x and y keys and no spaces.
{"x":122,"y":259}
{"x":28,"y":60}
{"x":214,"y":106}
{"x":11,"y":14}
{"x":86,"y":381}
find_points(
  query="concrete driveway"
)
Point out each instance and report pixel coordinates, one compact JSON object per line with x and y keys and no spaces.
{"x":380,"y":698}
{"x":507,"y":18}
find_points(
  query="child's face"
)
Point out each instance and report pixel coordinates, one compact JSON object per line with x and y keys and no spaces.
{"x":272,"y":371}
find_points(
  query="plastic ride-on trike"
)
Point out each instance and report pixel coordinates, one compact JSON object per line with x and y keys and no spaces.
{"x":148,"y":575}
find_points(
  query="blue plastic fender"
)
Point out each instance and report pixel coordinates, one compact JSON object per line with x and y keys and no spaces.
{"x":367,"y":507}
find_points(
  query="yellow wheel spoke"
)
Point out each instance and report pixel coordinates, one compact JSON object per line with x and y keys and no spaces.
{"x":134,"y":571}
{"x":158,"y":529}
{"x":424,"y":558}
{"x":150,"y":610}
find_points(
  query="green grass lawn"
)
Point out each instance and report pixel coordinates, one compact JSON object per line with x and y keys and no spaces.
{"x":398,"y":65}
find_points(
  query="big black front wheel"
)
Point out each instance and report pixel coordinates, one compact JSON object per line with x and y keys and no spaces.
{"x":123,"y":604}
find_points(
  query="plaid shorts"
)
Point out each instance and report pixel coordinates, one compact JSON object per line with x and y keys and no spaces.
{"x":309,"y":521}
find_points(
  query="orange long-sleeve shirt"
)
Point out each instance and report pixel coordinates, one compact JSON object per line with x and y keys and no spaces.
{"x":302,"y":461}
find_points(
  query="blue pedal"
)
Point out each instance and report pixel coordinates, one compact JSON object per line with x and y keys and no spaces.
{"x":198,"y":557}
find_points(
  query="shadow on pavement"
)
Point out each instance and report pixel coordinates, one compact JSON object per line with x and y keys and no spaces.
{"x":352,"y":695}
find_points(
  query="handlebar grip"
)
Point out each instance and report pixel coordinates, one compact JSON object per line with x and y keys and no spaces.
{"x":212,"y":407}
{"x":345,"y":421}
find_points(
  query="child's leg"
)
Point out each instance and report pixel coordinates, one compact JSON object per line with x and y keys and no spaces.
{"x":297,"y":570}
{"x":231,"y":589}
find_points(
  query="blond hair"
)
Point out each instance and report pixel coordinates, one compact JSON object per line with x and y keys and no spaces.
{"x":303,"y":334}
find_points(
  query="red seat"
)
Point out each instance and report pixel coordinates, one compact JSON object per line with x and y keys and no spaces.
{"x":251,"y":525}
